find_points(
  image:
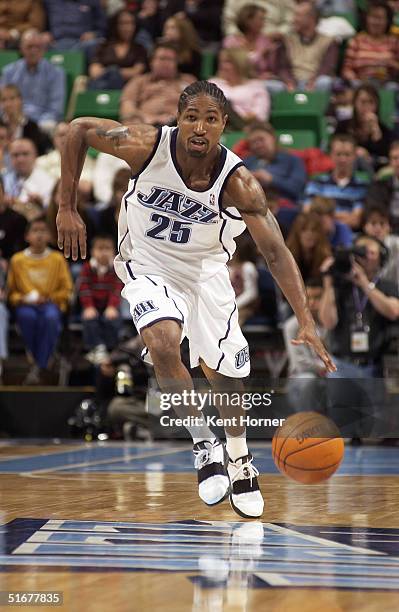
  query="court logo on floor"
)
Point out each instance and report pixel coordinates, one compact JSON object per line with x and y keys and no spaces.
{"x":267,"y":554}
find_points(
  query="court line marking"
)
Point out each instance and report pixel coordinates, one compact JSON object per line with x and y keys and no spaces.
{"x":103,"y":461}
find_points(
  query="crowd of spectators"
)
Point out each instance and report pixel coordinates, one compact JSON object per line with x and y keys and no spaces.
{"x":327,"y":200}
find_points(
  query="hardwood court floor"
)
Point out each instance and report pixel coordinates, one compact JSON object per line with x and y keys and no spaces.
{"x":121,"y":527}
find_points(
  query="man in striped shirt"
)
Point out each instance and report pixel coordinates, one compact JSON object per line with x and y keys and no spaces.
{"x":345,"y":186}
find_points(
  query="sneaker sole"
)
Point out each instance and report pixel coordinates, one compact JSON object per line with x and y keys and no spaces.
{"x":228,"y":492}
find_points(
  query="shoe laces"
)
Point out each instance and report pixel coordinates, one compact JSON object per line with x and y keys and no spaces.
{"x":244,"y":471}
{"x":203,"y":456}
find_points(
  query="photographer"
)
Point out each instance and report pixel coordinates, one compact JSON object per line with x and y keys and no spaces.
{"x":356,"y":307}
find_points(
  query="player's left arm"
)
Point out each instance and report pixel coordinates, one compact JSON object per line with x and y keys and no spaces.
{"x":245,"y":193}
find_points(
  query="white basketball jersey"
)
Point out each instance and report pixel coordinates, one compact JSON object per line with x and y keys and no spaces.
{"x":168,"y":229}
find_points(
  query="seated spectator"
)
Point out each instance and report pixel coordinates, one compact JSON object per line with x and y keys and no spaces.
{"x":247,"y":97}
{"x":153,"y":97}
{"x":373,"y":54}
{"x":244,"y":278}
{"x":205,"y":15}
{"x":3,"y":317}
{"x":312,"y":57}
{"x":120,"y":57}
{"x":339,"y":234}
{"x":346,"y":187}
{"x":39,"y":289}
{"x":51,"y":162}
{"x":42,"y":85}
{"x":306,"y":371}
{"x":16,"y":18}
{"x":308,"y":244}
{"x":18,"y":125}
{"x":27,"y":188}
{"x":105,"y":168}
{"x":5,"y":162}
{"x":52,"y":210}
{"x":356,"y":307}
{"x":279,"y":16}
{"x":373,"y":137}
{"x":108,"y":217}
{"x":99,"y":295}
{"x":180,"y":32}
{"x":262,"y":49}
{"x":274,"y":167}
{"x":12,"y":228}
{"x":283,"y":210}
{"x":78,"y":24}
{"x":149,"y":23}
{"x":375,"y":223}
{"x":385,"y":191}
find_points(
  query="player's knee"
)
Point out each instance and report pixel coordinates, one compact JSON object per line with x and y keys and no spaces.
{"x":164,"y":347}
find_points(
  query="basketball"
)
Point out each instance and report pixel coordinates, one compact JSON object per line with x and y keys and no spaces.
{"x":308,"y":447}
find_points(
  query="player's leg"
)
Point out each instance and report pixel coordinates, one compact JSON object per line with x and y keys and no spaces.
{"x":245,"y":497}
{"x":162,"y":340}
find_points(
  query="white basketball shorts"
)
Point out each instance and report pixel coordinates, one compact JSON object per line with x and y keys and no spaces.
{"x":207,"y":313}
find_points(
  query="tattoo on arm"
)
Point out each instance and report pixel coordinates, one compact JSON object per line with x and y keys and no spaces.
{"x":115,"y":134}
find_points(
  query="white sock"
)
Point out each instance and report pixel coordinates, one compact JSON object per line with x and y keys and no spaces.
{"x":236,"y":446}
{"x":201,"y":432}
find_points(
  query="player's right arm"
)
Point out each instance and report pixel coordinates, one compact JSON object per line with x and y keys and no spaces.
{"x":133,"y":143}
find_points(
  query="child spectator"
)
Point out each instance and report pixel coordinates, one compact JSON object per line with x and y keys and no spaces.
{"x":244,"y":278}
{"x":99,"y":295}
{"x":39,"y":289}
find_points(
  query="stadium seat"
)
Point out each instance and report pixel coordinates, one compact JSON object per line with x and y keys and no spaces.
{"x":387,"y":107}
{"x":297,"y":139}
{"x":73,"y":63}
{"x":208,"y":64}
{"x":7,"y":57}
{"x":299,"y":125}
{"x":103,"y":103}
{"x":300,"y":103}
{"x":229,"y":139}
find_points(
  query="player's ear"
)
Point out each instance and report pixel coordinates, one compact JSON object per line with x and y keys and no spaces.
{"x":178,"y":115}
{"x":225,"y":118}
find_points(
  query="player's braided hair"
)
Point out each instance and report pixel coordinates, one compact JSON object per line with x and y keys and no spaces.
{"x":205,"y":88}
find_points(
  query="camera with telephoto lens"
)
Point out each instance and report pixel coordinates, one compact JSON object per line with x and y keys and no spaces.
{"x":343,"y":260}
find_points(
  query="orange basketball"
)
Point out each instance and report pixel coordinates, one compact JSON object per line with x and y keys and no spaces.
{"x":308,"y":447}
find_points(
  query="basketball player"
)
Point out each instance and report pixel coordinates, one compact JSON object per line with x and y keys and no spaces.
{"x":187,"y":198}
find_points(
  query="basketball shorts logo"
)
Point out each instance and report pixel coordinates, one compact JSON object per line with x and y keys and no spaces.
{"x":142,"y":309}
{"x":242,"y":357}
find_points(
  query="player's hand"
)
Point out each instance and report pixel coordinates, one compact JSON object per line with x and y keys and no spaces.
{"x":358,"y":276}
{"x":307,"y":335}
{"x":71,"y":233}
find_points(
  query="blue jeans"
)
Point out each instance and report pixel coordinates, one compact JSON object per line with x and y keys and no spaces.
{"x":3,"y":331}
{"x":40,"y":327}
{"x":101,"y":331}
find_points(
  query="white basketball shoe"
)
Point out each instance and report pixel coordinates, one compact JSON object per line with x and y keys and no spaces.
{"x":211,"y":461}
{"x":245,"y":497}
